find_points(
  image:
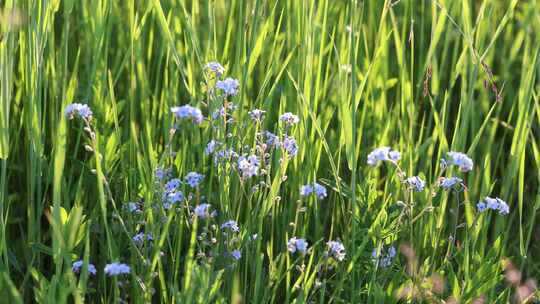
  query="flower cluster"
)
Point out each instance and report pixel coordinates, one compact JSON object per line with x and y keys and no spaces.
{"x":78,"y":110}
{"x":116,"y":268}
{"x":215,"y":67}
{"x":202,"y":211}
{"x":193,"y":179}
{"x":229,"y":86}
{"x":232,"y":225}
{"x":141,"y":237}
{"x":289,"y":119}
{"x":459,"y":159}
{"x":77,"y":267}
{"x":336,"y":250}
{"x":248,"y":166}
{"x":383,"y":154}
{"x":450,"y":182}
{"x":314,"y":188}
{"x":188,"y":112}
{"x":300,"y":245}
{"x":384,"y":259}
{"x":496,"y":204}
{"x":415,"y":183}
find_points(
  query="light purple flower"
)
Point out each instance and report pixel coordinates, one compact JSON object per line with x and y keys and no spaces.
{"x":115,"y":269}
{"x":459,"y":159}
{"x":289,"y":119}
{"x":289,"y":144}
{"x":215,"y":67}
{"x":319,"y":190}
{"x":306,"y":190}
{"x":336,"y":250}
{"x":193,"y":179}
{"x":229,"y":86}
{"x":416,"y":183}
{"x":300,"y":245}
{"x":271,"y":139}
{"x":383,"y":154}
{"x":172,"y":185}
{"x":211,"y":147}
{"x":236,"y":254}
{"x":450,"y":182}
{"x":496,"y":204}
{"x":133,"y":207}
{"x":139,"y":238}
{"x":248,"y":166}
{"x":188,"y":112}
{"x":202,"y":211}
{"x":256,"y":115}
{"x":174,"y":197}
{"x":78,"y":265}
{"x":232,"y":225}
{"x":78,"y":110}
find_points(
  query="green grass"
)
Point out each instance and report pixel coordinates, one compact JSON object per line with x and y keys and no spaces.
{"x":422,"y":76}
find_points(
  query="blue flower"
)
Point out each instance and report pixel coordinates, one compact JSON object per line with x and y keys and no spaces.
{"x":78,"y":110}
{"x":383,"y":154}
{"x":236,"y":254}
{"x":336,"y":250}
{"x":384,"y":259}
{"x":416,"y":183}
{"x":161,"y":173}
{"x":248,"y":166}
{"x":229,"y":86}
{"x":289,"y":144}
{"x":450,"y":182}
{"x":271,"y":139}
{"x":115,"y":269}
{"x":193,"y":179}
{"x":77,"y":267}
{"x":215,"y":67}
{"x":496,"y":204}
{"x":174,"y":197}
{"x":306,"y":190}
{"x":133,"y":207}
{"x":459,"y":159}
{"x":232,"y":225}
{"x":172,"y":185}
{"x":188,"y":112}
{"x":211,"y":147}
{"x":315,"y":188}
{"x":320,"y":190}
{"x":256,"y":115}
{"x":139,"y":238}
{"x":300,"y":245}
{"x":202,"y":211}
{"x":289,"y":119}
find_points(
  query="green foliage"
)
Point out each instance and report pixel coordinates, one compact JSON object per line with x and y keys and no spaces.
{"x":421,"y":76}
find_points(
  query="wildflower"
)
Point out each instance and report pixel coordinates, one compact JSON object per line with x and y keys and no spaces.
{"x":383,"y":154}
{"x":493,"y":204}
{"x":459,"y":159}
{"x":236,"y":254}
{"x":77,"y":267}
{"x":320,"y":190}
{"x":172,"y":185}
{"x":416,"y":183}
{"x":306,"y":190}
{"x":336,"y":250}
{"x":248,"y":166}
{"x":289,"y":144}
{"x":174,"y":197}
{"x":384,"y":258}
{"x":78,"y":110}
{"x":193,"y":179}
{"x":450,"y":182}
{"x":211,"y":147}
{"x":188,"y":112}
{"x":116,"y":268}
{"x":215,"y":67}
{"x":315,"y":188}
{"x":139,"y":238}
{"x":271,"y":139}
{"x":133,"y":207}
{"x":232,"y":225}
{"x":161,"y":173}
{"x":289,"y":119}
{"x":256,"y":115}
{"x":295,"y":244}
{"x":222,"y":112}
{"x":229,"y":86}
{"x":224,"y":155}
{"x":202,"y":211}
